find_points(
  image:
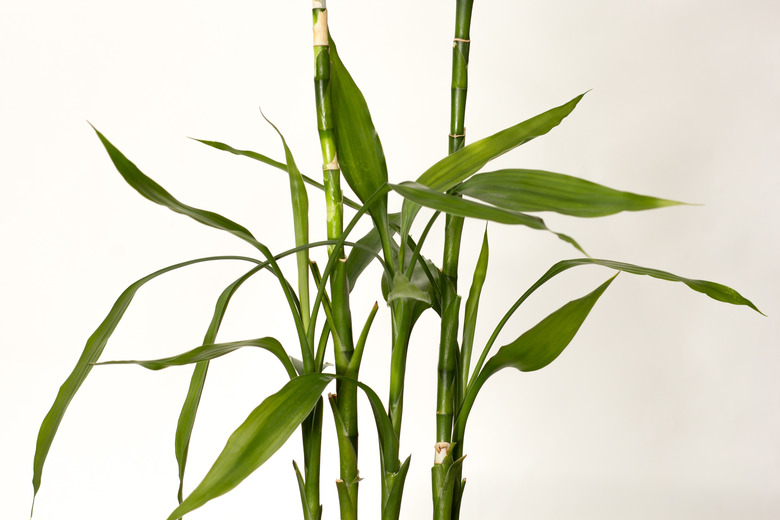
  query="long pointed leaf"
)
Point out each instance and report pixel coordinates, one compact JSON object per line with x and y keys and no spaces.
{"x":92,"y":351}
{"x":267,"y":160}
{"x":156,"y":193}
{"x":470,"y":313}
{"x":268,"y":427}
{"x":459,"y":166}
{"x":540,"y":345}
{"x":535,"y":190}
{"x":189,"y":409}
{"x":458,"y":206}
{"x":213,"y":351}
{"x":714,"y":290}
{"x":263,"y":432}
{"x":360,"y":152}
{"x":535,"y":349}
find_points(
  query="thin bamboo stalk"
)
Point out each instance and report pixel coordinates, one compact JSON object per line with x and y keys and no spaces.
{"x":447,"y":501}
{"x":345,"y":401}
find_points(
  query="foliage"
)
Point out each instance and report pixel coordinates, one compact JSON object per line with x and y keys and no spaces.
{"x":411,"y":284}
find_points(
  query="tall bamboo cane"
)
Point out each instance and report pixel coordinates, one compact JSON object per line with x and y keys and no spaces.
{"x":344,"y":403}
{"x":446,"y":473}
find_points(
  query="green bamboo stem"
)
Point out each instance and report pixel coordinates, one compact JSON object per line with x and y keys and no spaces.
{"x":447,"y":501}
{"x":345,"y":402}
{"x":401,"y":316}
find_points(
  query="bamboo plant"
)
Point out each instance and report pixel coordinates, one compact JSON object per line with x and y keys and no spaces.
{"x":457,"y":186}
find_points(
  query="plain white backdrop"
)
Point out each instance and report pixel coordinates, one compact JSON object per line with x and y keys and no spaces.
{"x":666,"y":405}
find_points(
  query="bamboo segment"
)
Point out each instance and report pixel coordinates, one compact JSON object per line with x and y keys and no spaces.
{"x":460,"y":62}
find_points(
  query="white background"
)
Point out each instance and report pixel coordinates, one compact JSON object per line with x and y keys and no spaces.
{"x":667,"y":405}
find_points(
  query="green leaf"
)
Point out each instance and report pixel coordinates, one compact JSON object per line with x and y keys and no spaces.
{"x":246,"y":153}
{"x":459,"y":166}
{"x":540,"y":345}
{"x":300,"y":209}
{"x":360,"y":154}
{"x":394,"y":486}
{"x":276,"y":164}
{"x":157,"y":194}
{"x":535,"y":190}
{"x":189,"y":409}
{"x":470,"y":313}
{"x":403,"y":289}
{"x":213,"y":351}
{"x":263,"y":432}
{"x":460,"y":207}
{"x":92,"y":351}
{"x":268,"y":427}
{"x":714,"y":290}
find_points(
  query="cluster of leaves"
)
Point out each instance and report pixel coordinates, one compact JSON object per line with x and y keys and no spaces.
{"x":411,"y":284}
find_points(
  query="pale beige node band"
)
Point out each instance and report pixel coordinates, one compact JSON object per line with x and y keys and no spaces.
{"x":321,"y":29}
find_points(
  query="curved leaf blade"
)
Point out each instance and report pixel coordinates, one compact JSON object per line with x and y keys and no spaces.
{"x":246,"y":153}
{"x":91,"y":353}
{"x":263,"y":432}
{"x":267,"y":160}
{"x":157,"y":194}
{"x":462,"y":164}
{"x":543,"y":343}
{"x":360,"y":153}
{"x":537,"y":190}
{"x":213,"y":351}
{"x":189,"y":408}
{"x":460,"y":207}
{"x":714,"y":290}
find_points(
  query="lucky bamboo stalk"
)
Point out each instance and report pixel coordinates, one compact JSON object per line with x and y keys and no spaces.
{"x":447,"y":491}
{"x":345,"y":401}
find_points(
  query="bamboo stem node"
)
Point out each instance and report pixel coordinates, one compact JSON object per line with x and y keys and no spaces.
{"x":320,"y":29}
{"x":332,"y":165}
{"x":442,"y":448}
{"x":459,"y":135}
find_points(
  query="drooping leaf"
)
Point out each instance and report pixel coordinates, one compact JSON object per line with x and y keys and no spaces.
{"x":541,"y":344}
{"x":157,"y":194}
{"x":213,"y":351}
{"x":149,"y":189}
{"x":459,"y":166}
{"x":458,"y":206}
{"x":189,"y":409}
{"x":360,"y":154}
{"x":92,"y":351}
{"x":268,"y":427}
{"x":263,"y":432}
{"x":246,"y":153}
{"x":276,"y":164}
{"x":714,"y":290}
{"x":535,"y":190}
